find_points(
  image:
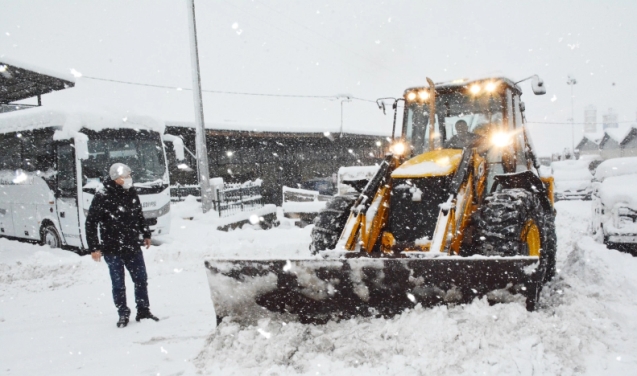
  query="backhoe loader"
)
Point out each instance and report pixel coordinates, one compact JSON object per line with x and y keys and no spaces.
{"x":457,"y":211}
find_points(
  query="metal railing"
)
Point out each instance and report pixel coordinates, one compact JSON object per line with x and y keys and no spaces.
{"x":235,"y":198}
{"x":179,"y":192}
{"x":231,"y":199}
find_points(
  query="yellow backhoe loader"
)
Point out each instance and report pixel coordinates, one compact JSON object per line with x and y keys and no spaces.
{"x":457,"y":211}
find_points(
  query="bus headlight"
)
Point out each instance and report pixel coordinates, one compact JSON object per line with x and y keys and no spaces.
{"x":398,"y":148}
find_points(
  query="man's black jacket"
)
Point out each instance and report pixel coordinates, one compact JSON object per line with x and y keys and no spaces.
{"x":118,"y":212}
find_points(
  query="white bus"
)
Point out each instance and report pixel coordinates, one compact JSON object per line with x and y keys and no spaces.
{"x":52,"y":163}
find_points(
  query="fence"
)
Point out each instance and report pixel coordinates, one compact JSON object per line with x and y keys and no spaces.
{"x":234,"y":198}
{"x":180,"y":192}
{"x":231,"y":199}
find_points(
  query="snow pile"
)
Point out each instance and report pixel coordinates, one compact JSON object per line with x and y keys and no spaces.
{"x":354,"y":173}
{"x":36,"y":263}
{"x":619,"y":190}
{"x":616,"y":167}
{"x":571,"y":175}
{"x":357,"y":172}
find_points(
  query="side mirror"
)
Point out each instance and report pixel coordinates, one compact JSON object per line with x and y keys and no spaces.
{"x":380,"y":102}
{"x":178,"y":145}
{"x":538,"y":85}
{"x":81,"y":146}
{"x":522,"y":107}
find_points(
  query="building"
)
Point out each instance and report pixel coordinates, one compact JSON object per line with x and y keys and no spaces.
{"x":609,"y":119}
{"x":590,"y":119}
{"x":277,"y":157}
{"x":629,"y":143}
{"x":18,"y":81}
{"x":610,"y":145}
{"x":589,"y":145}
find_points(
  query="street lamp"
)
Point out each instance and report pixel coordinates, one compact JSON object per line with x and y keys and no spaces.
{"x":572,"y":81}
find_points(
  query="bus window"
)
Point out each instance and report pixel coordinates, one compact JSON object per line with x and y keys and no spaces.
{"x":66,"y":171}
{"x":10,"y":156}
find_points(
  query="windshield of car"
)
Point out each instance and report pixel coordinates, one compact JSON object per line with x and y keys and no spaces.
{"x":480,"y":112}
{"x":145,"y":157}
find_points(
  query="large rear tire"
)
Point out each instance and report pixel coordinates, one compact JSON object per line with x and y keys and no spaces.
{"x":330,"y":222}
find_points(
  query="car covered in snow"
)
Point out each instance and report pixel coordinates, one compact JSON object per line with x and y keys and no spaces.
{"x":573,"y":179}
{"x":614,"y":219}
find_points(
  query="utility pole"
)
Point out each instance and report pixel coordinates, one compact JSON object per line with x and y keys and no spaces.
{"x":202,"y":150}
{"x":572,"y":81}
{"x":346,"y":99}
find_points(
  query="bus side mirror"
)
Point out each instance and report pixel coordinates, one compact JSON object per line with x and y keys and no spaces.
{"x":81,"y":146}
{"x":538,"y":85}
{"x":178,"y":146}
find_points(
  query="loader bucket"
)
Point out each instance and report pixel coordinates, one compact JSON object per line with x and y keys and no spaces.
{"x":317,"y":290}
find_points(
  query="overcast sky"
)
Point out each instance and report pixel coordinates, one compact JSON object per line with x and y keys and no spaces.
{"x":365,"y":48}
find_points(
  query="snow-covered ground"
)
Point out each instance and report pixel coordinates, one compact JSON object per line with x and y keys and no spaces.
{"x":57,"y":316}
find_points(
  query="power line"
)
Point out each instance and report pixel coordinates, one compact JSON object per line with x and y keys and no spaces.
{"x":328,"y":97}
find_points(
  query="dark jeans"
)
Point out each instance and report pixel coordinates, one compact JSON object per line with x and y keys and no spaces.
{"x":133,"y":260}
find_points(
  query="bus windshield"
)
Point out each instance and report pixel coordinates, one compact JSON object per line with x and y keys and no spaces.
{"x":145,"y":157}
{"x":481,"y":115}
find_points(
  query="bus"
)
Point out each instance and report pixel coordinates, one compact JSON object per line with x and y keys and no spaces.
{"x":52,"y":163}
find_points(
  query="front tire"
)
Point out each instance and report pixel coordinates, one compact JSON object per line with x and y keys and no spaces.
{"x":330,"y":222}
{"x":503,"y":223}
{"x":49,"y":236}
{"x":512,"y":222}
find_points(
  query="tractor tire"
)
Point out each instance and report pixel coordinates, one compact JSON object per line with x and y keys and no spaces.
{"x":501,"y":220}
{"x":330,"y":222}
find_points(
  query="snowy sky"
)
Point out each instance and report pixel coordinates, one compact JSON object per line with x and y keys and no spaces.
{"x":365,"y":48}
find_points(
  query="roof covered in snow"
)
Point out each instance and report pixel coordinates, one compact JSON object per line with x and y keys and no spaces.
{"x":21,"y":81}
{"x":594,"y":137}
{"x":632,"y":133}
{"x":274,"y":128}
{"x":615,"y":134}
{"x":70,"y":122}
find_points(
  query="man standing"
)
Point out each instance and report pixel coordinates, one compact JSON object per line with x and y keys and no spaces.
{"x":118,"y":212}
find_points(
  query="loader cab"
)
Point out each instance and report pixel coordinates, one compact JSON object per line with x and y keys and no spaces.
{"x":493,"y":114}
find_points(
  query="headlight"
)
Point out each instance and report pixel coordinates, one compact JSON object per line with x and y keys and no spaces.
{"x":398,"y":148}
{"x":423,"y":95}
{"x":411,"y":96}
{"x":491,"y":86}
{"x":501,"y":139}
{"x":474,"y":89}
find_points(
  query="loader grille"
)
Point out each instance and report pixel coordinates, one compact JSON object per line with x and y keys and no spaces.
{"x":410,"y":219}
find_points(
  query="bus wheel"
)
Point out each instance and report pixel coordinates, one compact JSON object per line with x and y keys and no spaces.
{"x":49,"y":236}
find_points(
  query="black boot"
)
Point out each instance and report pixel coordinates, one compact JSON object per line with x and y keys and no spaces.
{"x":123,"y":321}
{"x":145,"y":314}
